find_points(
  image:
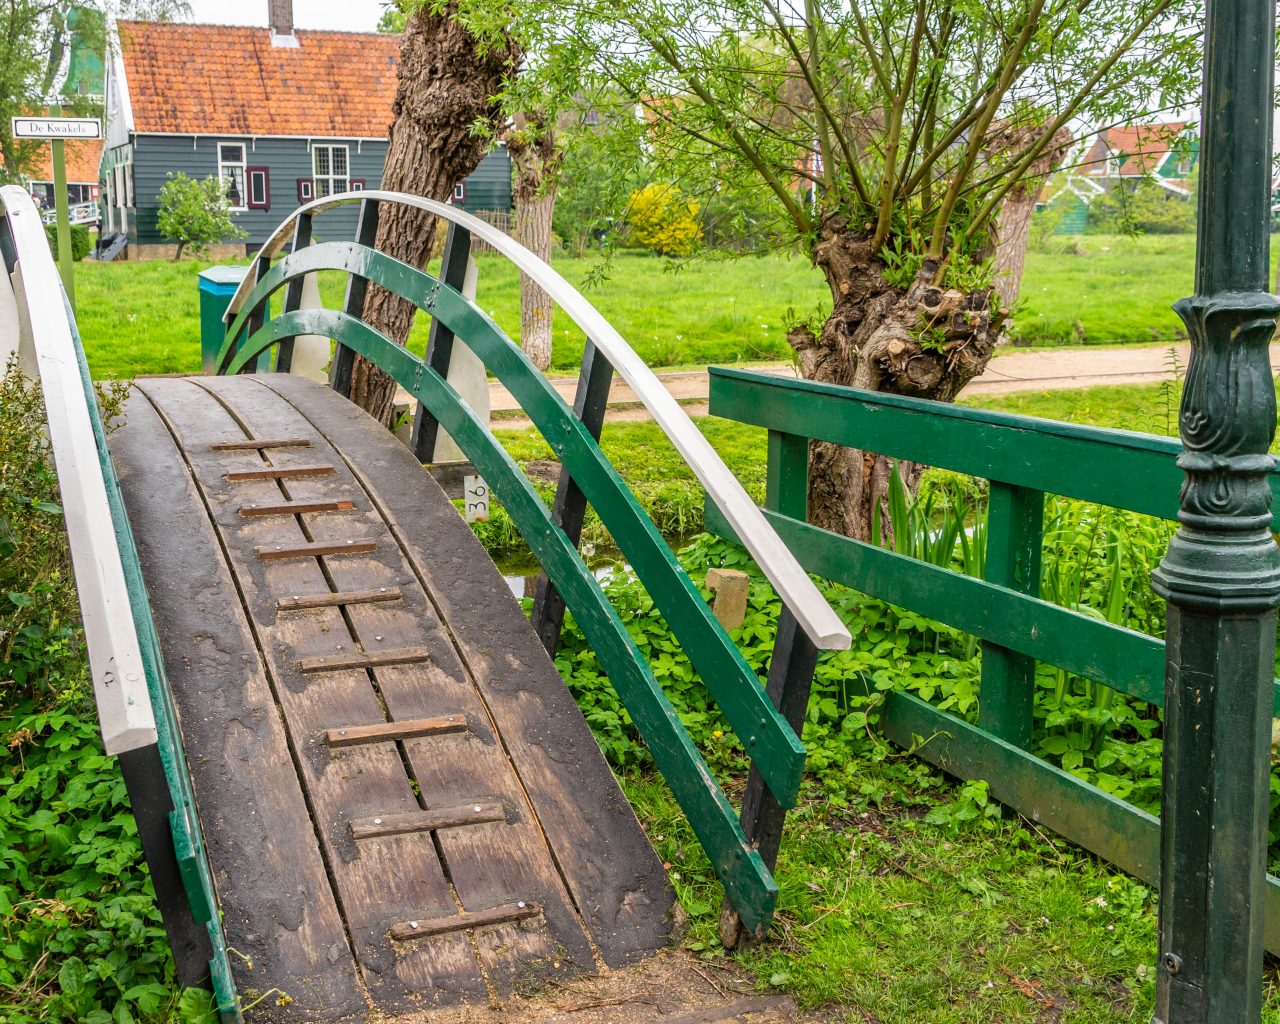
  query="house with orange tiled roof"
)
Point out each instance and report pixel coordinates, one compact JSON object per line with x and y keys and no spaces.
{"x":1163,"y":153}
{"x":82,"y":157}
{"x":280,"y":115}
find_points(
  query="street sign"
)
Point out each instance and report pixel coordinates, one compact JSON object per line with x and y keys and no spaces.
{"x":57,"y":128}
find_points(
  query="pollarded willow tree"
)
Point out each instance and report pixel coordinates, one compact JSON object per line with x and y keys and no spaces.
{"x":890,"y":138}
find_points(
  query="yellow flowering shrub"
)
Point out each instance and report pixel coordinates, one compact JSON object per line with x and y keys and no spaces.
{"x":663,"y":219}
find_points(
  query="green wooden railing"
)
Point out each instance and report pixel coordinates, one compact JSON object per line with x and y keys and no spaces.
{"x":768,"y":738}
{"x":1023,"y":459}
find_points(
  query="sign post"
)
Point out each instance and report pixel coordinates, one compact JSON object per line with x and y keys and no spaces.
{"x":58,"y":129}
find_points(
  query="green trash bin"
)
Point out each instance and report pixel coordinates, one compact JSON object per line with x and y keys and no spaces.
{"x":217,"y":285}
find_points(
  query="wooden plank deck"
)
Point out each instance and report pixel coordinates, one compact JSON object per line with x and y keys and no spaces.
{"x":327,"y":853}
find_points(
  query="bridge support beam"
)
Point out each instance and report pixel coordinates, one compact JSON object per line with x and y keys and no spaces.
{"x":1221,"y":575}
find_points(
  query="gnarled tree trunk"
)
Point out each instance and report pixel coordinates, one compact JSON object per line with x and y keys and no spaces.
{"x":446,"y":84}
{"x":537,"y":160}
{"x":924,"y":342}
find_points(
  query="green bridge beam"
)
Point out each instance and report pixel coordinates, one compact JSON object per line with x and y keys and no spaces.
{"x":1221,"y":575}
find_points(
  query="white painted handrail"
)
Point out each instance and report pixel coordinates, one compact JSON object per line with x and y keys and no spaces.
{"x":814,"y":615}
{"x":45,"y":333}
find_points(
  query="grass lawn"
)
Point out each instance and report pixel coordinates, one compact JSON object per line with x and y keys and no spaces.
{"x":141,"y":318}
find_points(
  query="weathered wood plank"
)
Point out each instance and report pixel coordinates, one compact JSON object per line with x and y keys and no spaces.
{"x":354,"y":734}
{"x":427,"y":821}
{"x":277,"y":473}
{"x":260,"y":444}
{"x":293,"y":508}
{"x":364,"y":659}
{"x":337,"y":599}
{"x":269,"y":552}
{"x":616,"y":880}
{"x":382,"y":883}
{"x":465,"y":921}
{"x":278,"y":906}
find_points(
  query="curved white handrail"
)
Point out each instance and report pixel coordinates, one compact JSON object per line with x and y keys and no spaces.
{"x":779,"y":565}
{"x":115,"y":659}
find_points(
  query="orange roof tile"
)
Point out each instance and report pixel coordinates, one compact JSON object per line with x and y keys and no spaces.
{"x":230,"y":80}
{"x":1142,"y":145}
{"x":83,"y":157}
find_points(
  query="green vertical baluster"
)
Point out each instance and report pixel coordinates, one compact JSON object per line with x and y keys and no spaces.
{"x":787,"y":482}
{"x":1015,"y":528}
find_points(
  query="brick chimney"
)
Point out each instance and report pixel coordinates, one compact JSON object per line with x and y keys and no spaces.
{"x":280,"y":17}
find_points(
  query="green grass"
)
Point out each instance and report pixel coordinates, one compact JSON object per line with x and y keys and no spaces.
{"x":139,"y":318}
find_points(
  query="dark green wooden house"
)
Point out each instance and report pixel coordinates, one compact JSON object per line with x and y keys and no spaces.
{"x":280,"y":115}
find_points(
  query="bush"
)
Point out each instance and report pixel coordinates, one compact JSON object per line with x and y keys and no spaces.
{"x":81,"y":243}
{"x":1143,"y":208}
{"x":80,"y":936}
{"x":664,"y":220}
{"x":195,"y":214}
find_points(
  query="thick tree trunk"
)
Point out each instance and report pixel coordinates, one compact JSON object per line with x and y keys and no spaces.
{"x":446,"y":85}
{"x":925,"y":342}
{"x":537,"y":160}
{"x":1012,"y":235}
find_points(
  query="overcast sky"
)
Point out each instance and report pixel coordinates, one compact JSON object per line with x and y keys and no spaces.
{"x":349,"y":15}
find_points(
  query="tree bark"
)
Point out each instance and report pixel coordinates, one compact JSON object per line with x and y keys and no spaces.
{"x":925,"y":342}
{"x":537,"y":160}
{"x":446,"y":84}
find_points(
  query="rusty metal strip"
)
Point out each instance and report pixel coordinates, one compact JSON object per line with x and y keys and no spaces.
{"x":250,"y":444}
{"x":464,"y":921}
{"x":338,"y":599}
{"x":427,"y":821}
{"x":293,"y":508}
{"x":278,"y":473}
{"x":269,"y":553}
{"x":364,"y":659}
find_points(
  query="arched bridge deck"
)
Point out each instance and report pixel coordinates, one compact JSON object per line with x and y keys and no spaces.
{"x":397,"y":792}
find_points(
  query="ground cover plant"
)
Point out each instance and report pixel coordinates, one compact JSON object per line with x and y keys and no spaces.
{"x":140,"y":318}
{"x":80,"y":935}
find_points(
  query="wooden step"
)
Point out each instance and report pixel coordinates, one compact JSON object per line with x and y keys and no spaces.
{"x":352,"y":735}
{"x":278,"y":473}
{"x":270,"y":553}
{"x":338,"y":599}
{"x":464,"y":922}
{"x":427,"y":821}
{"x":364,"y":659}
{"x":293,"y":508}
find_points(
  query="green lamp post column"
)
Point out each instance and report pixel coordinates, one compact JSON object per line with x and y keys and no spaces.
{"x":1221,"y":575}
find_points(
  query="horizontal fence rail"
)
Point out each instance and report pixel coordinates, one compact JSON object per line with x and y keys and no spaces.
{"x":769,"y":738}
{"x":1021,"y":457}
{"x":138,"y":719}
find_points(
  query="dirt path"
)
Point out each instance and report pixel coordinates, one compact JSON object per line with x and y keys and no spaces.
{"x":1010,"y":371}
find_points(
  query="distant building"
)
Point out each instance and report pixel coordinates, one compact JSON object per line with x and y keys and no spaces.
{"x":83,"y":157}
{"x":1163,"y":153}
{"x":281,"y":116}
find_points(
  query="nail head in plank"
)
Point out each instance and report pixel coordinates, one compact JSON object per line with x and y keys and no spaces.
{"x":427,"y":821}
{"x":278,"y":473}
{"x":464,"y":921}
{"x":364,"y":659}
{"x":408,"y":729}
{"x":337,"y":600}
{"x":292,"y":508}
{"x":352,"y":547}
{"x":251,"y":444}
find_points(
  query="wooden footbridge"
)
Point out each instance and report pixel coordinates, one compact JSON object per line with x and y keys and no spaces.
{"x":358,"y":776}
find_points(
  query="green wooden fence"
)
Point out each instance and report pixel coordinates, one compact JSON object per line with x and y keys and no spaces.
{"x":1023,"y":459}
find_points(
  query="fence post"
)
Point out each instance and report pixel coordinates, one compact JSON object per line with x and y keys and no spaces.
{"x":453,"y":272}
{"x":343,"y":357}
{"x":1221,"y":575}
{"x":590,"y":402}
{"x":791,"y":670}
{"x":1015,"y":530}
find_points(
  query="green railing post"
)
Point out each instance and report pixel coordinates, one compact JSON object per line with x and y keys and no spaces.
{"x":1015,"y":530}
{"x":1221,"y":575}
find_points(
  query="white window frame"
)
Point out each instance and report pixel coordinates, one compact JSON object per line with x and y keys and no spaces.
{"x":330,"y":181}
{"x":231,"y":165}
